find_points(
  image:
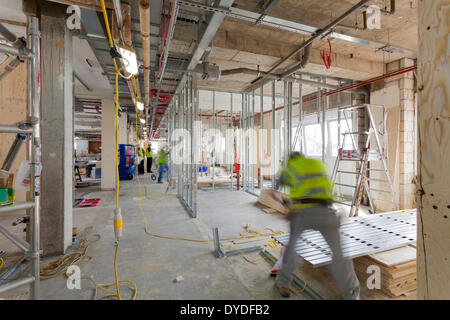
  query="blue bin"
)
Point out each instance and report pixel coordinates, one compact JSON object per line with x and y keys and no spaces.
{"x":127,"y":165}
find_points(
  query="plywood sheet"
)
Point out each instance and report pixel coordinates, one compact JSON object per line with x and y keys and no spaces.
{"x":433,"y":241}
{"x":395,"y":256}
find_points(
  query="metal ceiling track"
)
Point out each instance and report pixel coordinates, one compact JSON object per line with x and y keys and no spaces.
{"x":359,"y":237}
{"x":291,"y":26}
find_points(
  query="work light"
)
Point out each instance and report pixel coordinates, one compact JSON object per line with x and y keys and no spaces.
{"x":140,"y":105}
{"x":129,"y":60}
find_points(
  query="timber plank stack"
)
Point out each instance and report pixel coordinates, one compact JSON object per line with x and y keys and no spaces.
{"x":397,"y":268}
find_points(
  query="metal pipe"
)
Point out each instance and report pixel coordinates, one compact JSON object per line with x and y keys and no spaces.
{"x":252,"y":141}
{"x":34,"y":102}
{"x":316,"y":35}
{"x":275,"y":77}
{"x":272,"y":142}
{"x":261,"y":130}
{"x":16,"y":283}
{"x":6,"y":128}
{"x":214,"y":145}
{"x":144,"y":15}
{"x":5,"y":275}
{"x":21,"y":244}
{"x":21,"y":52}
{"x":7,"y":34}
{"x":231,"y":128}
{"x":169,"y":36}
{"x":17,"y":207}
{"x":195,"y":145}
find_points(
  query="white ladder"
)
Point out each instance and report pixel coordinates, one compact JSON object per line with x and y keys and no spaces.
{"x":363,"y":156}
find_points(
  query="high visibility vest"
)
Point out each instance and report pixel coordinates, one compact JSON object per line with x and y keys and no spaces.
{"x":141,"y":152}
{"x":162,"y":157}
{"x":149,"y":153}
{"x":307,"y":179}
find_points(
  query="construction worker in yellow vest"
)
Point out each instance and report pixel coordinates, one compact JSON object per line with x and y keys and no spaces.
{"x":163,"y":163}
{"x":149,"y":154}
{"x":310,"y":200}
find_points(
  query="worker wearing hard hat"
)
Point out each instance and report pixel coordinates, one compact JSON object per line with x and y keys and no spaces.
{"x":149,"y":154}
{"x":310,"y":199}
{"x":163,"y":163}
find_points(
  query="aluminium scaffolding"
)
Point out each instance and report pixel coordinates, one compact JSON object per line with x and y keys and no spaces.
{"x":30,"y":127}
{"x":364,"y":153}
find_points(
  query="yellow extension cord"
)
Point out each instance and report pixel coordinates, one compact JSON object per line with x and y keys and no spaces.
{"x":117,"y":282}
{"x":246,"y":236}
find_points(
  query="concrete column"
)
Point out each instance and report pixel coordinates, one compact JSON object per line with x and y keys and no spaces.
{"x":123,"y":131}
{"x":108,"y":145}
{"x":56,"y":130}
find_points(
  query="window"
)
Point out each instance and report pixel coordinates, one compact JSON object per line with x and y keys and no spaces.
{"x":313,"y":139}
{"x":334,"y":137}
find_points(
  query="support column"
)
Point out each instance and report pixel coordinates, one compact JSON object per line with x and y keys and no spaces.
{"x":56,"y":130}
{"x":433,"y":194}
{"x":123,"y":131}
{"x":108,"y":145}
{"x":407,"y":155}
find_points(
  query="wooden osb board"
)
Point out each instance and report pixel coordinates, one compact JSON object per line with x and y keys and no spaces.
{"x":433,"y":76}
{"x":13,"y":107}
{"x":395,"y":256}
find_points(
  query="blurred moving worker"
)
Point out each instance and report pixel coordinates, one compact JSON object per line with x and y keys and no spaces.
{"x":149,"y":154}
{"x":141,"y":157}
{"x":310,"y":200}
{"x":163,"y":163}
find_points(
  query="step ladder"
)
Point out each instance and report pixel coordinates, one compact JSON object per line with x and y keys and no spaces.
{"x":363,"y":157}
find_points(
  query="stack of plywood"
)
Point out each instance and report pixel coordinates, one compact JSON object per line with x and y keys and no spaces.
{"x":397,"y":270}
{"x":266,"y":199}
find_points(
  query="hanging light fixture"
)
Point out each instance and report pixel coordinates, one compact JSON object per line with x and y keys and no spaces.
{"x":129,"y":60}
{"x":140,"y":105}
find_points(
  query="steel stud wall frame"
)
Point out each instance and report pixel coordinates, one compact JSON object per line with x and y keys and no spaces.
{"x":183,"y":114}
{"x":31,"y":127}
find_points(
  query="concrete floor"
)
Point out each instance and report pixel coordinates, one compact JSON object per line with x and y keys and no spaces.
{"x":153,"y":263}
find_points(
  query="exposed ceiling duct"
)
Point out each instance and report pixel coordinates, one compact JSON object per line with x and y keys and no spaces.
{"x":144,"y":14}
{"x":293,"y":78}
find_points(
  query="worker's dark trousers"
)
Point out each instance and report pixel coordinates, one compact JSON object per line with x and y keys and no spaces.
{"x":141,"y":167}
{"x":149,"y":164}
{"x":325,"y":220}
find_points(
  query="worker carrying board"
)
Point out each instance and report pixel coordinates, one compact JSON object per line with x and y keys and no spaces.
{"x":310,"y":200}
{"x":163,"y":162}
{"x":149,"y":155}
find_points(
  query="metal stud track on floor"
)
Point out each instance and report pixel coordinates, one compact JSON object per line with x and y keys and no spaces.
{"x":359,"y":237}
